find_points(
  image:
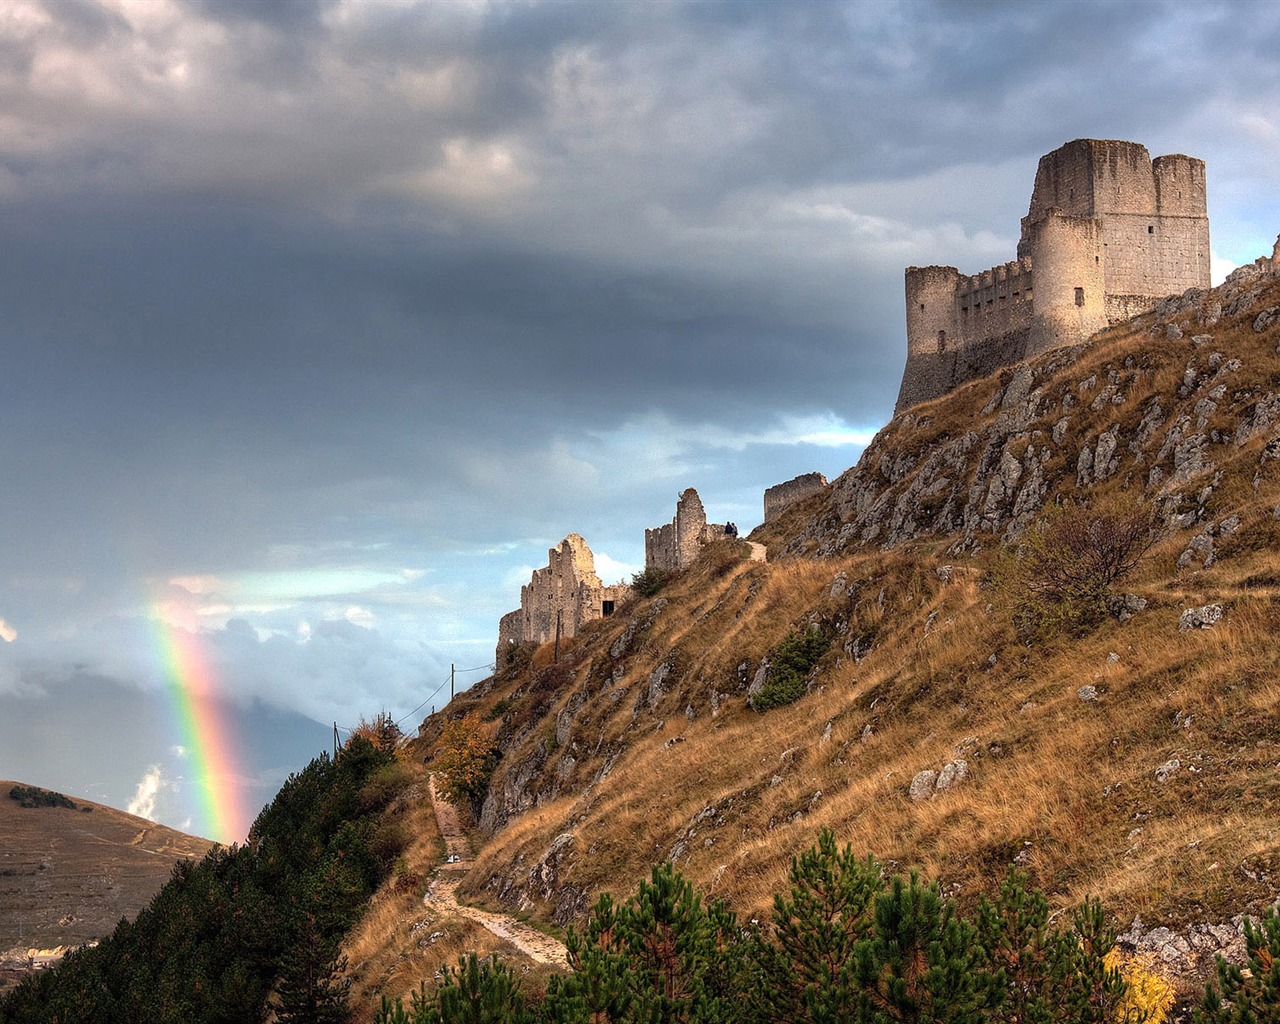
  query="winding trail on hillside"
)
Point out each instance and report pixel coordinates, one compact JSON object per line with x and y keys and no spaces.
{"x":442,"y":893}
{"x":758,"y":552}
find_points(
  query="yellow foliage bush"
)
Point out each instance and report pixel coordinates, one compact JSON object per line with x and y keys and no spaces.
{"x":1150,"y":994}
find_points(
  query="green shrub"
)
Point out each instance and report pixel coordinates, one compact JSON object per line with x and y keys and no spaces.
{"x":34,"y":796}
{"x":649,"y":582}
{"x":475,"y":992}
{"x":789,"y":666}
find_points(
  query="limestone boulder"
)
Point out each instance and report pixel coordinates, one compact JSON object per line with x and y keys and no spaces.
{"x":1204,"y":617}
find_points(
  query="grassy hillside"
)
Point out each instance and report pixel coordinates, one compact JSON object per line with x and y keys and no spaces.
{"x":250,"y":932}
{"x":68,"y":874}
{"x":1157,"y":790}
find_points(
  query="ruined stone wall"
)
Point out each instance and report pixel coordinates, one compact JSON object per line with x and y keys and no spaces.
{"x":674,"y":546}
{"x":779,"y":496}
{"x":1109,"y":232}
{"x":509,"y":633}
{"x":567,"y":590}
{"x":660,"y":548}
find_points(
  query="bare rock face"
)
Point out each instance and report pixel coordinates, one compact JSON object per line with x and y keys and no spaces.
{"x":928,"y":783}
{"x":1267,"y":320}
{"x":1199,"y":552}
{"x":757,"y":681}
{"x":1192,"y":953}
{"x":953,"y":773}
{"x":516,"y":792}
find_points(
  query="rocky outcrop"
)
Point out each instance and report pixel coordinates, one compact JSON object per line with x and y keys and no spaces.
{"x":978,"y":465}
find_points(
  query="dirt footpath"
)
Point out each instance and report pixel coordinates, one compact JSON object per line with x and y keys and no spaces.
{"x":442,"y":892}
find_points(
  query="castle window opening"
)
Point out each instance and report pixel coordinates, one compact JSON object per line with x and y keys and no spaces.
{"x":922,"y":307}
{"x":1079,"y":296}
{"x":1151,"y":229}
{"x":606,"y":608}
{"x":942,"y":341}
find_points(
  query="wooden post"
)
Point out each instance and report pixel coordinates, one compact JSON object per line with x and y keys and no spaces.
{"x":450,"y":682}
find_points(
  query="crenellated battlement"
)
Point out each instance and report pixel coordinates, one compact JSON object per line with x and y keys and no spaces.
{"x":1109,"y":233}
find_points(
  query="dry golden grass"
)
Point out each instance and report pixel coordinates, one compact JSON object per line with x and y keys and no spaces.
{"x":389,"y":949}
{"x":1064,"y":787}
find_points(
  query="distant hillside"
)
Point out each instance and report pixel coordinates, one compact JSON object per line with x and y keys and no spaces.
{"x":68,"y":875}
{"x":247,"y":933}
{"x":1139,"y":762}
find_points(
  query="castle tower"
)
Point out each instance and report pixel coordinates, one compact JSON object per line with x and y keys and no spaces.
{"x":1070,"y":301}
{"x":1109,"y":233}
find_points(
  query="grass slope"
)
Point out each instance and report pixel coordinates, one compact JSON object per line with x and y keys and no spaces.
{"x":67,"y":876}
{"x":639,"y":746}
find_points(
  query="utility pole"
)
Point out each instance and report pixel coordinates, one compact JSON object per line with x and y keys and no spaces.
{"x":450,"y":682}
{"x":335,"y":741}
{"x":557,"y":656}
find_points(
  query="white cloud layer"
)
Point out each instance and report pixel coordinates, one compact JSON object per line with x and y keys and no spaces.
{"x":143,"y":803}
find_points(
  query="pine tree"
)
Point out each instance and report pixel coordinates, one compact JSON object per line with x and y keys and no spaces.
{"x":1255,"y":999}
{"x":922,"y":965}
{"x":807,"y":970}
{"x":661,"y":957}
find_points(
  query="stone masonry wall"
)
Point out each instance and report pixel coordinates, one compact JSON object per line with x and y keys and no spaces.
{"x":1108,"y":227}
{"x":674,"y":546}
{"x":567,"y":590}
{"x":779,"y":496}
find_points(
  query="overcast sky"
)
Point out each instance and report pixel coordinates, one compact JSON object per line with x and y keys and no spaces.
{"x":321,"y":322}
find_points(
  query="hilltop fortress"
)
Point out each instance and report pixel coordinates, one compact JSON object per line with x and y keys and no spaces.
{"x":1109,"y":233}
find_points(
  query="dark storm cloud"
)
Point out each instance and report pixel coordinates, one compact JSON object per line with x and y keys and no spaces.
{"x":322,"y":321}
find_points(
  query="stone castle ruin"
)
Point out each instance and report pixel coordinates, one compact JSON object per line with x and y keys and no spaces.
{"x":563,"y":596}
{"x":1110,"y":232}
{"x":779,"y":496}
{"x":567,"y":593}
{"x":675,"y":546}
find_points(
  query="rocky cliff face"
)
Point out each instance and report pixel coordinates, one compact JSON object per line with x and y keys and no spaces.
{"x":1168,"y":401}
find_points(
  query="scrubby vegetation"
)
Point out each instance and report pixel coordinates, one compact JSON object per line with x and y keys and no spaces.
{"x":789,"y":666}
{"x":845,"y":944}
{"x":249,"y":930}
{"x":465,"y":761}
{"x":1060,"y":574}
{"x":34,"y":796}
{"x":650,"y":581}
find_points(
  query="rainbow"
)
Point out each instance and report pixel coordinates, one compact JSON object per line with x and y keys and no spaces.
{"x":192,"y":691}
